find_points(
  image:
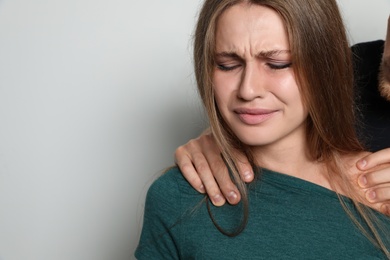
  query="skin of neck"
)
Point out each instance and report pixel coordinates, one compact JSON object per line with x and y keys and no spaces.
{"x":291,"y":157}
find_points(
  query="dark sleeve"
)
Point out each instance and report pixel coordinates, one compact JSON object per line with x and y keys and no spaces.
{"x":373,"y":111}
{"x":162,"y":210}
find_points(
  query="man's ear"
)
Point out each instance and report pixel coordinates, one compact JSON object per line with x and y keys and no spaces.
{"x":384,"y":75}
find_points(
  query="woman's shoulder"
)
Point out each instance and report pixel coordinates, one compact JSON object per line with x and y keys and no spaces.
{"x":171,"y":185}
{"x":167,"y":203}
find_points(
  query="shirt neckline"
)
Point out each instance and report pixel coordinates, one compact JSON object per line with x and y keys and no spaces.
{"x":269,"y":176}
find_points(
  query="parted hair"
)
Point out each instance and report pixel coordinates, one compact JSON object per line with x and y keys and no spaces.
{"x":322,"y":64}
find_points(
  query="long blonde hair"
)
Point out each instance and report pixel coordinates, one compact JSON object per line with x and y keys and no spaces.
{"x":323,"y":69}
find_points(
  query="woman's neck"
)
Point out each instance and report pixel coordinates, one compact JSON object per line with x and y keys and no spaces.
{"x":292,"y":159}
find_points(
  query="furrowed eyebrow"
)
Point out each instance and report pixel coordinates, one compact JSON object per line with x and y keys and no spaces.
{"x":262,"y":54}
{"x":225,"y":54}
{"x":272,"y":53}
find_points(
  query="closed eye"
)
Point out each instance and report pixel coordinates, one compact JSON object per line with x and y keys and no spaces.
{"x":279,"y":66}
{"x":227,"y":68}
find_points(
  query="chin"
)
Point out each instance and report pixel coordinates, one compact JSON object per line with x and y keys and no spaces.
{"x":253,"y":140}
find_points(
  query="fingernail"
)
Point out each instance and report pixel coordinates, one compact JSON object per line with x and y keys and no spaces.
{"x":247,"y":176}
{"x":371,"y":195}
{"x":362,"y":163}
{"x":201,"y":189}
{"x":217,"y":199}
{"x":232,"y":196}
{"x":362,"y":181}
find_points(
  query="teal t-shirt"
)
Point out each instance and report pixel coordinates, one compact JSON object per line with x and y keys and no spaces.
{"x":289,"y":218}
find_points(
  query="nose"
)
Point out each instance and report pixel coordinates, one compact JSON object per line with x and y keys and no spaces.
{"x":251,"y":86}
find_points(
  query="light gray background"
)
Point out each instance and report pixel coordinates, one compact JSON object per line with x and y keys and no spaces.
{"x":94,"y":98}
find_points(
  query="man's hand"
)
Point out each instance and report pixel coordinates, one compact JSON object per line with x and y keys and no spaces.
{"x":202,"y":165}
{"x":375,"y":179}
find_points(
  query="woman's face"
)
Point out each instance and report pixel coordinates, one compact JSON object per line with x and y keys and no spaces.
{"x":254,"y":83}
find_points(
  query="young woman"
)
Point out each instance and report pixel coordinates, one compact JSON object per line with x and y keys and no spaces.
{"x":203,"y":166}
{"x":271,"y":74}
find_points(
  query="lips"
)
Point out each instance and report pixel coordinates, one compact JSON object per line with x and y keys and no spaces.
{"x":254,"y":116}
